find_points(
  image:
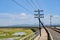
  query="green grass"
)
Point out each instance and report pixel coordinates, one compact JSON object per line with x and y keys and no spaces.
{"x":11,"y":31}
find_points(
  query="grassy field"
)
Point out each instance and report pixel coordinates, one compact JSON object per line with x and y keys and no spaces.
{"x":10,"y":31}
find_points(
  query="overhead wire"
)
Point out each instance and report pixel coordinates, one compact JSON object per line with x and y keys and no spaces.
{"x":21,"y":5}
{"x":37,"y":4}
{"x":34,"y":4}
{"x":29,"y":3}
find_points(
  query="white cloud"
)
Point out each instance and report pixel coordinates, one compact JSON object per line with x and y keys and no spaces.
{"x":13,"y":19}
{"x":24,"y":18}
{"x":55,"y":19}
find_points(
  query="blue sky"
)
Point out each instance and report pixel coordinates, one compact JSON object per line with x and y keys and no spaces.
{"x":13,"y":14}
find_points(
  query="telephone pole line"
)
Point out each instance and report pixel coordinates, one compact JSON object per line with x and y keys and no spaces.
{"x":51,"y":20}
{"x":39,"y":16}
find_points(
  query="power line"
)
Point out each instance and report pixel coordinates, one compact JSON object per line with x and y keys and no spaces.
{"x":29,"y":3}
{"x":20,"y":5}
{"x":37,"y":4}
{"x":34,"y":3}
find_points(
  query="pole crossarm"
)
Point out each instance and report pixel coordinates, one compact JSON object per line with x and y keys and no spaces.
{"x":37,"y":16}
{"x":38,"y":10}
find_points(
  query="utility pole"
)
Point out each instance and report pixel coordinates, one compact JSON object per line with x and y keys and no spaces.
{"x":39,"y":16}
{"x":51,"y":20}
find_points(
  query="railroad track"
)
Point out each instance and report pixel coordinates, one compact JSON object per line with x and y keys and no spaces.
{"x":54,"y":33}
{"x":56,"y":29}
{"x":49,"y":36}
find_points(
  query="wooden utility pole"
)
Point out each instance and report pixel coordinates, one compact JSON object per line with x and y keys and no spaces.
{"x":39,"y":16}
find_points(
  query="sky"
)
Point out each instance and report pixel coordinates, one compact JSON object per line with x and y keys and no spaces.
{"x":22,"y":12}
